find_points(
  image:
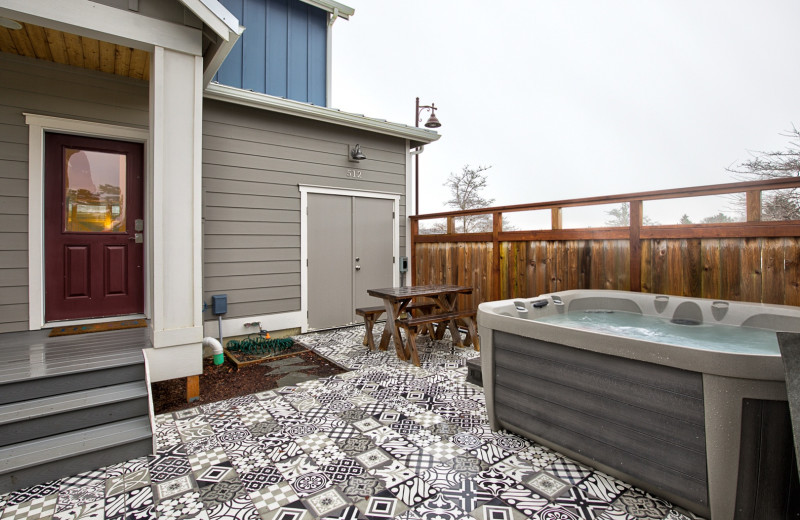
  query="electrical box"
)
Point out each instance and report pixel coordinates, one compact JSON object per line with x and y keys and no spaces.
{"x":403,"y":264}
{"x":219,"y":303}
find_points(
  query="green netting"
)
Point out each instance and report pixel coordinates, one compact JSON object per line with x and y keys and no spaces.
{"x":259,"y":345}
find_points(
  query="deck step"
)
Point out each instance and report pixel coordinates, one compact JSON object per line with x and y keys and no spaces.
{"x":71,"y":404}
{"x":57,"y":456}
{"x":37,"y":418}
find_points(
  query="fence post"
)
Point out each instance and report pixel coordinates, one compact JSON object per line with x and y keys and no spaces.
{"x":497,"y":227}
{"x":635,"y":247}
{"x":451,"y":225}
{"x":556,"y":218}
{"x":753,"y":203}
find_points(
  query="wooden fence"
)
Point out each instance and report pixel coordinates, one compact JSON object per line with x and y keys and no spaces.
{"x":751,"y":261}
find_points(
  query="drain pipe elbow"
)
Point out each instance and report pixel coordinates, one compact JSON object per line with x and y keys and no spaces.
{"x":216,"y":348}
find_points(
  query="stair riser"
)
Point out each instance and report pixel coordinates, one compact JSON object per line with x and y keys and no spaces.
{"x":72,"y":420}
{"x":74,"y":465}
{"x":44,"y":387}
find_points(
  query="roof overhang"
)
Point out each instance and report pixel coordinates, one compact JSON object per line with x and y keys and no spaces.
{"x":416,"y":136}
{"x":223,"y":24}
{"x":335,"y":8}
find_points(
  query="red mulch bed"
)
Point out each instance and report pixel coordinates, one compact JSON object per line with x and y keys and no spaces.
{"x":219,"y":382}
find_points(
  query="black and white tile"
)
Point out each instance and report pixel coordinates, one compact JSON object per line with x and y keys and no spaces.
{"x":386,"y":440}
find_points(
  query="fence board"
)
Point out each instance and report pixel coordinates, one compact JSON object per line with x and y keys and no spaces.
{"x":772,"y":253}
{"x":741,"y":269}
{"x":674,"y":283}
{"x":730,"y":268}
{"x":597,"y":274}
{"x":693,"y":268}
{"x":710,"y":277}
{"x":751,"y":270}
{"x":792,"y":271}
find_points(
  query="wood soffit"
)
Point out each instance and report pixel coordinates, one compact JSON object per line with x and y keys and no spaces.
{"x":56,"y":46}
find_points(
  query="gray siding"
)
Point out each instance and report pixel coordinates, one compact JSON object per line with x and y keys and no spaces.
{"x":45,"y":88}
{"x":253,"y":162}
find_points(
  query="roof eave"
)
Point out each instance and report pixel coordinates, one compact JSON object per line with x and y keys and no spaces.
{"x":415,"y":136}
{"x":341,"y":10}
{"x":222,"y":23}
{"x":215,"y":16}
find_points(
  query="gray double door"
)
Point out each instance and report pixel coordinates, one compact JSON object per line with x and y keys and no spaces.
{"x":350,"y":250}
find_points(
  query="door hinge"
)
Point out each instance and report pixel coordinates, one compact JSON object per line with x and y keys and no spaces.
{"x":392,"y":214}
{"x":393,"y":260}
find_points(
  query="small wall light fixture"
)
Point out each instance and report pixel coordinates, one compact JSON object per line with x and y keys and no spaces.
{"x":356,"y":154}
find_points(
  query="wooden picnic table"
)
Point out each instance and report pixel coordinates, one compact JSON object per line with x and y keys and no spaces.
{"x":396,"y":299}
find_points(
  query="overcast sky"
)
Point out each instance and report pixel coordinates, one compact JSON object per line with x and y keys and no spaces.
{"x":568,"y":99}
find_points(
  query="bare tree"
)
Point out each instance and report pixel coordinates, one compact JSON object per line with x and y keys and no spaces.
{"x":465,"y":190}
{"x":777,"y":204}
{"x":621,"y":216}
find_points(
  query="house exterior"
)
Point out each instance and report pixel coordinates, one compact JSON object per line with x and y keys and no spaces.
{"x":154,"y":153}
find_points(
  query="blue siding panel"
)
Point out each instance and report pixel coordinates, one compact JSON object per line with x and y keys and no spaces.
{"x":283,"y":51}
{"x":317,"y":55}
{"x":254,"y":60}
{"x":277,"y":47}
{"x":230,"y":73}
{"x":298,"y":51}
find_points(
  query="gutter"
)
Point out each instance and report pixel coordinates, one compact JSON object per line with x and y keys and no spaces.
{"x":416,"y":136}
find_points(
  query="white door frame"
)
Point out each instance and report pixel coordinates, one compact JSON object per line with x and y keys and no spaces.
{"x":304,"y":191}
{"x":37,"y":126}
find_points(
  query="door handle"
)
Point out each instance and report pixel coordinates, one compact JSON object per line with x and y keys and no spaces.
{"x":358,"y":268}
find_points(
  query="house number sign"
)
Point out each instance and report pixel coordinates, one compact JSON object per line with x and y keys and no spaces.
{"x":354,"y":174}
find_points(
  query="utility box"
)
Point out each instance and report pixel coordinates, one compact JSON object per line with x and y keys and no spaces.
{"x":219,"y":304}
{"x":403,"y":264}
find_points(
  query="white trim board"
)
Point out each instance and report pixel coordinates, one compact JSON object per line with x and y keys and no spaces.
{"x":304,"y":191}
{"x":235,"y":326}
{"x":102,"y":22}
{"x":37,"y":126}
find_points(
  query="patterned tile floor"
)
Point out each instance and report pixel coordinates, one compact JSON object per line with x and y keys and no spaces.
{"x":385,"y":440}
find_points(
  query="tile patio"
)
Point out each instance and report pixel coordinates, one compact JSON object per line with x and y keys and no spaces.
{"x":385,"y":440}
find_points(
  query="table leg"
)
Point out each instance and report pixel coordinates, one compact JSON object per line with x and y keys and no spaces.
{"x":448,"y":303}
{"x":392,"y":313}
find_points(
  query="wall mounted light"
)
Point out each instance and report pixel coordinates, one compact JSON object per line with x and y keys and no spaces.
{"x":356,"y":154}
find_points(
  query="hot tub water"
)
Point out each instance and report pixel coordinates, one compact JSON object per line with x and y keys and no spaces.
{"x":714,"y":337}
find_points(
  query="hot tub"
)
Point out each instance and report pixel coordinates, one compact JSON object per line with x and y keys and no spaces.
{"x":684,"y":397}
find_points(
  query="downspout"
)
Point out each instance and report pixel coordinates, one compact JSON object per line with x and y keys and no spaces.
{"x":216,"y":348}
{"x":329,"y":55}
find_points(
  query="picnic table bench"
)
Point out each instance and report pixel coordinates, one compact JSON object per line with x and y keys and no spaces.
{"x":371,"y":315}
{"x":412,"y":326}
{"x":444,"y":315}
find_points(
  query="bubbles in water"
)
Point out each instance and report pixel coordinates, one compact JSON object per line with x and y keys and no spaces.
{"x":716,"y":337}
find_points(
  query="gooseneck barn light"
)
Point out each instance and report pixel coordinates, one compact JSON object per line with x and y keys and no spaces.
{"x":356,"y":154}
{"x":432,"y":122}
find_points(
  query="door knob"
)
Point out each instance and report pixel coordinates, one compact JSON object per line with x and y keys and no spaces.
{"x":358,"y":268}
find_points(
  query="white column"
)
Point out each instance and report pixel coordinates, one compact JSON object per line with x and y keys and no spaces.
{"x":174,"y":188}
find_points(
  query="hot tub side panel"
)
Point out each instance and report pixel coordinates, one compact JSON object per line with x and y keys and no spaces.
{"x":644,"y":421}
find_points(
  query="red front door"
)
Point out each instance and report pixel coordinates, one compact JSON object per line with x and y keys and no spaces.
{"x":93,"y":219}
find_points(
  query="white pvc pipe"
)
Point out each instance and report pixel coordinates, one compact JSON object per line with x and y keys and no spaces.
{"x":216,"y":348}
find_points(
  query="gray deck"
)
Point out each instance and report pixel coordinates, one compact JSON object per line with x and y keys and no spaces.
{"x":71,"y":403}
{"x":33,"y":355}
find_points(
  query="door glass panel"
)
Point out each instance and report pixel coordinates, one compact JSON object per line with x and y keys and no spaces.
{"x":94,"y":192}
